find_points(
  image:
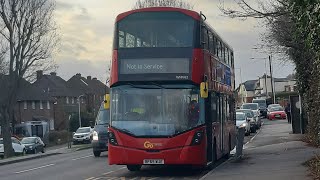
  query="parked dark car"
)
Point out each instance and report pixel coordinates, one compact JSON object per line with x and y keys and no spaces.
{"x":33,"y":144}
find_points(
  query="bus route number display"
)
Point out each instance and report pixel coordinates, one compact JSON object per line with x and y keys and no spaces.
{"x":155,"y":65}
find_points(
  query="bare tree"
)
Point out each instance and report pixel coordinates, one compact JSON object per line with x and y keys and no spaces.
{"x":28,"y":31}
{"x":162,"y":3}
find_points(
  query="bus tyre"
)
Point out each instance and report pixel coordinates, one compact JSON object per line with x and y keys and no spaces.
{"x":96,"y":153}
{"x":134,"y":167}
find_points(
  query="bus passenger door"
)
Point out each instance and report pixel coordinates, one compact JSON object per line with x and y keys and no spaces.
{"x":208,"y":122}
{"x":221,"y":122}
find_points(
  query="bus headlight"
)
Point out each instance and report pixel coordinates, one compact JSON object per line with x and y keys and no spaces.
{"x":197,"y":138}
{"x":112,"y":138}
{"x":95,"y":136}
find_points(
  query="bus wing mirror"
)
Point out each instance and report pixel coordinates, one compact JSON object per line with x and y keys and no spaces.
{"x":204,"y":89}
{"x":107,"y":101}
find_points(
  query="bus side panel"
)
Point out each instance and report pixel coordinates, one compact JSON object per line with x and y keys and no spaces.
{"x":197,"y":66}
{"x":114,"y":68}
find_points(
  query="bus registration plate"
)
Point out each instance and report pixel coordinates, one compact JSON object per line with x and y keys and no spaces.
{"x":153,"y":161}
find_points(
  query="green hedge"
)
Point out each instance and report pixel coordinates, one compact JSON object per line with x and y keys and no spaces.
{"x":59,"y":137}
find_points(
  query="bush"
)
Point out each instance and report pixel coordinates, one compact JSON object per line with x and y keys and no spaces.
{"x":87,"y":119}
{"x":59,"y":137}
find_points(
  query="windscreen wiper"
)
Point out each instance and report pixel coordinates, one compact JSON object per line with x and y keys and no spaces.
{"x":126,"y":131}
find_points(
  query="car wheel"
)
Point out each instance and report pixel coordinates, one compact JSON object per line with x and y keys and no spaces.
{"x":96,"y":153}
{"x":134,"y":167}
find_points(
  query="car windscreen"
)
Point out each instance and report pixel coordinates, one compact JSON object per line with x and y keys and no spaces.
{"x":276,"y":109}
{"x":103,"y":117}
{"x":250,"y":106}
{"x":240,"y":117}
{"x":28,"y":140}
{"x":83,"y":130}
{"x":261,"y":102}
{"x":249,"y":113}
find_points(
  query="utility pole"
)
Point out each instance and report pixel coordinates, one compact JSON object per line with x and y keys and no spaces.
{"x":271,"y":76}
{"x":266,"y":77}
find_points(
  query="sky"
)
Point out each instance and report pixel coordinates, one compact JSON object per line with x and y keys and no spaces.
{"x":86,"y":29}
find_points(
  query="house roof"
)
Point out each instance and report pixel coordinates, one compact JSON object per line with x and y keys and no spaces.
{"x":82,"y":85}
{"x":4,"y":81}
{"x":33,"y":93}
{"x":54,"y":86}
{"x":250,"y":85}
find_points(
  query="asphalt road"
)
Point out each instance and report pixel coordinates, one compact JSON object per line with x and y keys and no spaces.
{"x":82,"y":165}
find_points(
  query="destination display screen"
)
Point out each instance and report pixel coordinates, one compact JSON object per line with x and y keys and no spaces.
{"x":155,"y":66}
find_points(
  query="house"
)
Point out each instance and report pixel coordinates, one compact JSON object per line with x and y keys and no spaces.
{"x":246,"y":91}
{"x":280,"y":85}
{"x":261,"y":88}
{"x":92,"y":89}
{"x":48,"y":97}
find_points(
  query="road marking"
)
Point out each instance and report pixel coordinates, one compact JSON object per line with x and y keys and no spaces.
{"x":82,"y":157}
{"x":34,"y":168}
{"x":90,"y":178}
{"x":113,"y":171}
{"x":108,"y":173}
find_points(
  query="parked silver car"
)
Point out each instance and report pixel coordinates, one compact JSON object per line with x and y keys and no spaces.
{"x":250,"y":115}
{"x":243,"y":122}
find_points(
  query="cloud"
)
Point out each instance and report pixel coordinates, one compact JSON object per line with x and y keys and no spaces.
{"x":87,"y":31}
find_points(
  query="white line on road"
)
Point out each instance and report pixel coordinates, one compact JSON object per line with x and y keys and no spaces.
{"x":34,"y":168}
{"x":90,"y":178}
{"x":108,"y":173}
{"x":82,"y":157}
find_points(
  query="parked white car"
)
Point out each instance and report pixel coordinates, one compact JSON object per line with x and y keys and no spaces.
{"x":243,"y":122}
{"x":82,"y":135}
{"x":18,"y":148}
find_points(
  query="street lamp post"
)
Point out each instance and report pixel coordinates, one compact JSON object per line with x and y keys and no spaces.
{"x":80,"y":109}
{"x":272,"y":81}
{"x":271,"y":75}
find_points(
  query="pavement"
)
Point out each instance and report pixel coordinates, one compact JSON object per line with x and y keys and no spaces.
{"x":275,"y":153}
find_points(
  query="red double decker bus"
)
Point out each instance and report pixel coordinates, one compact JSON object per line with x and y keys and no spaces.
{"x":172,"y":85}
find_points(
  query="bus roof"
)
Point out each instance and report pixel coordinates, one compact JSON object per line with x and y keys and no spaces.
{"x":190,"y":13}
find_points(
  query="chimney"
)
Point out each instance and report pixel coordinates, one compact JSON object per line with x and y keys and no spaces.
{"x":94,"y":78}
{"x":89,"y":78}
{"x":78,"y":74}
{"x":53,"y":73}
{"x":39,"y":74}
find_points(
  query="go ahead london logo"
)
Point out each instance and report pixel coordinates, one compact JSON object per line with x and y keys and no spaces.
{"x":149,"y":145}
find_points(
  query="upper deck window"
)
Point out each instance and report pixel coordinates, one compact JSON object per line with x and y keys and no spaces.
{"x":155,"y":29}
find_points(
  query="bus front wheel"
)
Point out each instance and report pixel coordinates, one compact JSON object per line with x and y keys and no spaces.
{"x":134,"y":167}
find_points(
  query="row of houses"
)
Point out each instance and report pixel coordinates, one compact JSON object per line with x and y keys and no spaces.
{"x":261,"y":87}
{"x":52,"y":99}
